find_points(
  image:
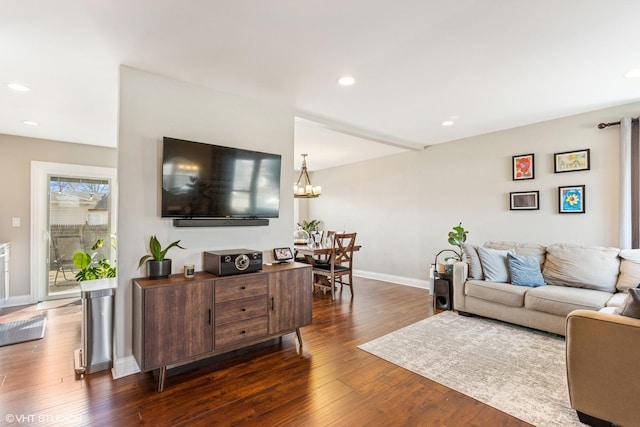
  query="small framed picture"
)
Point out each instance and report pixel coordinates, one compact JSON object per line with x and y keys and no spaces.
{"x":572,"y":161}
{"x":571,"y":199}
{"x":282,"y":254}
{"x":524,"y":200}
{"x":522,"y":166}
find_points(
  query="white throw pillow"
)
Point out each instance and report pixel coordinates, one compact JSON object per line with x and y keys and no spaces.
{"x":494,"y":264}
{"x":629,"y":270}
{"x":590,"y":267}
{"x":471,"y":257}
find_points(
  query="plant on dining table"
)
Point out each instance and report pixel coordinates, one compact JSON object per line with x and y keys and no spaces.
{"x":309,"y":226}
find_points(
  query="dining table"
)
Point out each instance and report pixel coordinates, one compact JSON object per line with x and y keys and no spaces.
{"x":311,"y":251}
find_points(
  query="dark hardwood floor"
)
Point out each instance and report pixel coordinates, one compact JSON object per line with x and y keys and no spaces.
{"x":330,"y":382}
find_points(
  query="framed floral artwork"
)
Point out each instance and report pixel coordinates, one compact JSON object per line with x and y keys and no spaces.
{"x":522,"y":166}
{"x":572,"y":161}
{"x":524,"y":200}
{"x":571,"y":199}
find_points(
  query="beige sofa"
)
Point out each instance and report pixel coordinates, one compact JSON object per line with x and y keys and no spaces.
{"x":577,"y":278}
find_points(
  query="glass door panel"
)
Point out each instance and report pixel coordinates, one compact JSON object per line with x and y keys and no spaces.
{"x":79,"y":215}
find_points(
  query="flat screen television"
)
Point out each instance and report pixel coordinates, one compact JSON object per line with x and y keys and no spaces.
{"x":211,"y":181}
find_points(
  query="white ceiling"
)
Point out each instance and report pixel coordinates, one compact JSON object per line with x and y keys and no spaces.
{"x":490,"y":64}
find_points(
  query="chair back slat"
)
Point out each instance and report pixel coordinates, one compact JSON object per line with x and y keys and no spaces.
{"x":343,"y":244}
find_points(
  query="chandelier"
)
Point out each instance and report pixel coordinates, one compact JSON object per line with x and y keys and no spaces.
{"x":303,"y":189}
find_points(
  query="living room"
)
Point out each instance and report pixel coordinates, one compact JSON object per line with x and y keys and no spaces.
{"x":402,"y":206}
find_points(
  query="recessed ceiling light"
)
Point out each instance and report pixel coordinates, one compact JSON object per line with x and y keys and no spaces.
{"x":346,"y":81}
{"x":18,"y":87}
{"x":30,"y":123}
{"x":633,"y":74}
{"x":447,"y":123}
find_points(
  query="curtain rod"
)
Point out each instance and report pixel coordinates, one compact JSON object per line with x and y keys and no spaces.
{"x":605,"y":125}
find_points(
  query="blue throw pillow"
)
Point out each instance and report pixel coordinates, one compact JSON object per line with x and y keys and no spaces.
{"x":525,"y":270}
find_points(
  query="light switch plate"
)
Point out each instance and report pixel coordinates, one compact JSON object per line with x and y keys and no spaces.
{"x":15,"y":222}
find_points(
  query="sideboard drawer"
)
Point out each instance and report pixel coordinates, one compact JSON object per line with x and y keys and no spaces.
{"x":241,"y":286}
{"x":239,"y":332}
{"x":240,"y":309}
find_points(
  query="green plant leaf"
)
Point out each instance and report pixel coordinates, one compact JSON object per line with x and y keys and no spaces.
{"x":82,"y":260}
{"x":98,"y":244}
{"x":143,"y":259}
{"x":155,"y":248}
{"x":171,"y":245}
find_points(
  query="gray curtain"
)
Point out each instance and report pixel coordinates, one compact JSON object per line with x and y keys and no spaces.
{"x":629,"y":183}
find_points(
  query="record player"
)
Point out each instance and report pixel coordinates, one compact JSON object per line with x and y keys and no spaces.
{"x":232,"y":261}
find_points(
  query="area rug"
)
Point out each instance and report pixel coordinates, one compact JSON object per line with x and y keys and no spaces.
{"x":516,"y":370}
{"x":22,"y":330}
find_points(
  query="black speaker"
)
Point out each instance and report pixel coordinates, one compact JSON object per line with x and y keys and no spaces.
{"x":442,"y":294}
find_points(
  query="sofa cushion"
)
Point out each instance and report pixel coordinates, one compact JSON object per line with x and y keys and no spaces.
{"x":562,"y":300}
{"x":523,"y":249}
{"x":524,"y":270}
{"x":502,"y":293}
{"x":631,"y":307}
{"x":576,"y":266}
{"x":494,"y":264}
{"x":629,"y":276}
{"x":617,"y":300}
{"x":470,"y":254}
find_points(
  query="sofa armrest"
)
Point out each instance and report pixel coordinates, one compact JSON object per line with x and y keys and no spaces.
{"x":460,"y":275}
{"x":603,"y":365}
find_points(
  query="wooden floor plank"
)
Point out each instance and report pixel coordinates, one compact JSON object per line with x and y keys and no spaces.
{"x":329,"y":382}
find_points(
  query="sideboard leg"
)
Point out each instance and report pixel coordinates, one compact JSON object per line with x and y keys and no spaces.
{"x":161,"y":376}
{"x":299,"y":336}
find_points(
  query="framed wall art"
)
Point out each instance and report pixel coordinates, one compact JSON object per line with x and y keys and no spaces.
{"x":572,"y":161}
{"x":571,"y":199}
{"x":522,"y":166}
{"x":524,"y":200}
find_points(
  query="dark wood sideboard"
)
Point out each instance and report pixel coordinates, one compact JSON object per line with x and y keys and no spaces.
{"x":178,"y":320}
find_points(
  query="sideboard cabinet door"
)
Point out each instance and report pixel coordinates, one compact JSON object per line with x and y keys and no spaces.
{"x":290,"y":300}
{"x":178,"y":322}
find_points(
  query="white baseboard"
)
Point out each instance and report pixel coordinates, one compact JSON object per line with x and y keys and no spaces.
{"x":124,"y":366}
{"x":408,"y":281}
{"x":15,"y":301}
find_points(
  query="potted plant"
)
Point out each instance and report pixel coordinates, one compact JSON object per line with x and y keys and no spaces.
{"x":157,"y":266}
{"x":457,"y":237}
{"x":91,"y":268}
{"x":310,"y":228}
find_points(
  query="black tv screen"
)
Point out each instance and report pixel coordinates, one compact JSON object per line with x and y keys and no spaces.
{"x":210,"y":181}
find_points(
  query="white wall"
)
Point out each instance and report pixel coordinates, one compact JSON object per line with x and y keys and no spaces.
{"x":403,"y":206}
{"x":152,"y":107}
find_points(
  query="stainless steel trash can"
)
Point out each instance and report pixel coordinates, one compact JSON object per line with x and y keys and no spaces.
{"x":96,"y":353}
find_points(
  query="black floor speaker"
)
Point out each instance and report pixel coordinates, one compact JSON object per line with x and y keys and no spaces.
{"x":442,"y":294}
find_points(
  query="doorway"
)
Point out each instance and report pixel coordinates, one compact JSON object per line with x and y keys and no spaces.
{"x":72,"y":207}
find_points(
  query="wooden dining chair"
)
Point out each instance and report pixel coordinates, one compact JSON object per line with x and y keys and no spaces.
{"x":339,"y":268}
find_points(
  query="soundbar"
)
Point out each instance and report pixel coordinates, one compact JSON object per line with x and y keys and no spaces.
{"x":220,"y":222}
